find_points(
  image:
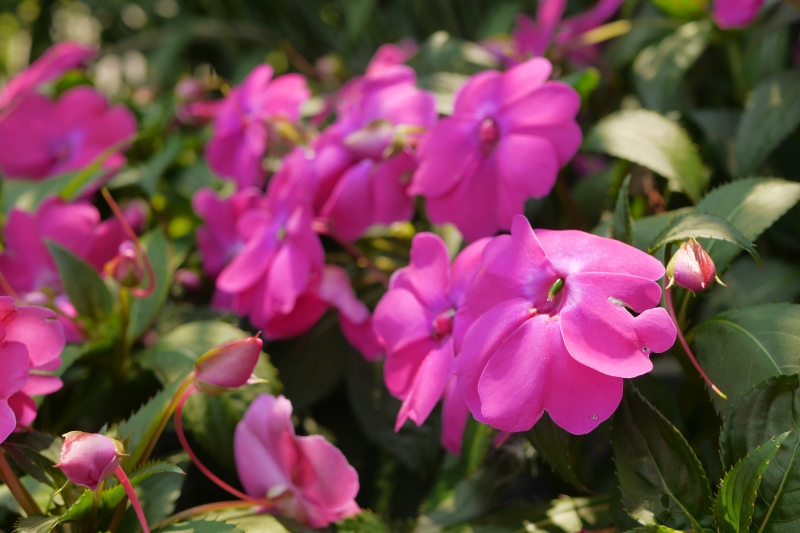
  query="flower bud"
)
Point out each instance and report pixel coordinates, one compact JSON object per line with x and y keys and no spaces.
{"x":126,"y":268}
{"x":691,"y":267}
{"x":189,"y":89}
{"x":227,"y":366}
{"x":89,"y":458}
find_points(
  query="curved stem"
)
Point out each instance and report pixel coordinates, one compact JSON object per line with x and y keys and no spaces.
{"x":324,"y":229}
{"x":125,"y":482}
{"x":685,"y":345}
{"x":16,"y":488}
{"x":202,"y":509}
{"x":208,"y":473}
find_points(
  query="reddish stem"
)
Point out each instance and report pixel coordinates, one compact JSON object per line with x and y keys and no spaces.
{"x":125,"y":482}
{"x":151,"y":275}
{"x":210,"y":475}
{"x":325,"y":229}
{"x":685,"y":345}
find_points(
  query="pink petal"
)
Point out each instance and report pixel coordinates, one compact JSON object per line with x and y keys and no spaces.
{"x":454,"y":417}
{"x":735,"y":13}
{"x":402,"y":319}
{"x":39,"y":385}
{"x":524,"y":78}
{"x":8,"y":422}
{"x":390,"y":201}
{"x":308,"y":309}
{"x":15,"y":362}
{"x":600,"y":333}
{"x":24,"y":408}
{"x":427,"y":275}
{"x":592,"y":18}
{"x":464,"y":269}
{"x":528,"y":165}
{"x":479,"y":97}
{"x":288,"y":277}
{"x":323,"y":473}
{"x":553,"y":103}
{"x":448,"y":151}
{"x":349,"y":207}
{"x":35,"y":328}
{"x":335,"y":289}
{"x":566,"y":138}
{"x":428,"y":387}
{"x":401,"y":366}
{"x":249,"y":265}
{"x":284,"y":96}
{"x":24,"y":139}
{"x":361,"y":336}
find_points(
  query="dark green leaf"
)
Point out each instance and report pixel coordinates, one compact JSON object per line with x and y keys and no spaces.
{"x":772,"y":113}
{"x":157,"y":495}
{"x":771,"y":409}
{"x":655,"y":142}
{"x":144,"y":310}
{"x":141,"y":427}
{"x":564,"y":515}
{"x":735,"y":501}
{"x":703,"y":225}
{"x":583,"y":81}
{"x":557,"y":448}
{"x":661,"y":479}
{"x":719,"y":129}
{"x":741,"y":348}
{"x":659,"y":68}
{"x":82,"y":283}
{"x":622,"y":223}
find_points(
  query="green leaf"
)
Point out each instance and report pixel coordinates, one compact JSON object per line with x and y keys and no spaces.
{"x":201,"y":526}
{"x":622,"y":223}
{"x":682,"y":8}
{"x":741,"y":348}
{"x":82,"y":283}
{"x":557,"y":447}
{"x":655,"y":142}
{"x":36,"y":453}
{"x":583,"y":81}
{"x":751,"y":205}
{"x":660,"y":68}
{"x":564,"y":515}
{"x":703,"y":225}
{"x":771,"y":409}
{"x":772,"y":113}
{"x":719,"y":130}
{"x":660,"y":477}
{"x":733,"y":507}
{"x":364,"y":522}
{"x":157,"y":495}
{"x":140,"y":427}
{"x":144,"y":310}
{"x":36,"y":524}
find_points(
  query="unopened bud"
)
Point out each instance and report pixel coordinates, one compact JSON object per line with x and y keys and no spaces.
{"x":372,"y":141}
{"x":89,"y":458}
{"x":691,"y":267}
{"x":126,"y":268}
{"x":189,"y":89}
{"x":228,"y":366}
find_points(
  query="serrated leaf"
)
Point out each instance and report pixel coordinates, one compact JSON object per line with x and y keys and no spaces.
{"x":772,"y":113}
{"x":703,"y":225}
{"x":141,"y":426}
{"x":741,"y":348}
{"x":622,"y":223}
{"x":660,"y":477}
{"x":660,"y":68}
{"x":556,"y":447}
{"x":752,"y":206}
{"x":733,"y":506}
{"x":144,"y":310}
{"x":201,"y":526}
{"x":36,"y":524}
{"x":771,"y":409}
{"x":655,"y":142}
{"x":564,"y":515}
{"x":82,"y":283}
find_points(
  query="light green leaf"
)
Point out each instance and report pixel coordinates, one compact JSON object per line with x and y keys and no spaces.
{"x":655,"y":142}
{"x":653,"y":529}
{"x":772,"y":113}
{"x":741,"y":348}
{"x":683,"y":8}
{"x":660,"y":477}
{"x":733,"y":507}
{"x":201,"y":526}
{"x":660,"y":68}
{"x":36,"y":524}
{"x":82,"y":283}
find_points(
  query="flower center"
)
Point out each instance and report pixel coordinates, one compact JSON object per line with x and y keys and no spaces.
{"x":488,"y":134}
{"x":443,"y":324}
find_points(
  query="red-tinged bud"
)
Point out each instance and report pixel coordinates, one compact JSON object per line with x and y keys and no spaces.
{"x":372,"y":141}
{"x":691,"y":267}
{"x":89,"y":458}
{"x":126,"y":268}
{"x":228,"y":366}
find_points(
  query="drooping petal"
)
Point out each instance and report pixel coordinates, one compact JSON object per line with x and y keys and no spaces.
{"x":323,"y":473}
{"x":454,"y":417}
{"x":428,"y":387}
{"x":402,"y":366}
{"x":401,"y":319}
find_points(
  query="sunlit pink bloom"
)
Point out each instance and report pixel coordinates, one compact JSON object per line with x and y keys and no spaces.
{"x":40,"y":138}
{"x":555,"y":329}
{"x":735,"y":13}
{"x":30,"y":341}
{"x":364,"y":161}
{"x":505,"y":142}
{"x":218,"y":238}
{"x":421,"y":321}
{"x":241,"y":125}
{"x":317,"y":483}
{"x":55,"y":62}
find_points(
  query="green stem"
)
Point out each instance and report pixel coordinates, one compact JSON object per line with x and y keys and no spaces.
{"x":125,"y":317}
{"x":736,"y":63}
{"x":16,"y":488}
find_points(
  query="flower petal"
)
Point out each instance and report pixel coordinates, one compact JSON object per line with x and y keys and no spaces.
{"x":428,"y":387}
{"x":528,"y":165}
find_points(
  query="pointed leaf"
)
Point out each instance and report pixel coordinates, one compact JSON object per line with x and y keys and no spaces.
{"x":36,"y":524}
{"x":144,"y":310}
{"x":622,"y":223}
{"x":82,"y":283}
{"x":556,"y":446}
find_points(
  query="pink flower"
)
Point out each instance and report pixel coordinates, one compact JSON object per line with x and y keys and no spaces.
{"x":506,"y":140}
{"x":55,"y":62}
{"x":364,"y":160}
{"x":87,"y":459}
{"x":241,"y":123}
{"x":389,"y":55}
{"x":309,"y":477}
{"x":40,"y":138}
{"x":555,"y":329}
{"x":730,"y":14}
{"x":30,"y":345}
{"x":421,"y":321}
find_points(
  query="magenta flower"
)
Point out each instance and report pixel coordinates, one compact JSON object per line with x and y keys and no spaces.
{"x":88,"y":459}
{"x":40,"y":138}
{"x":422,"y":321}
{"x":730,"y":14}
{"x":55,"y":62}
{"x":506,"y":140}
{"x":309,"y":478}
{"x":30,"y":344}
{"x":364,"y":161}
{"x":555,"y":329}
{"x":241,"y":125}
{"x":390,"y":55}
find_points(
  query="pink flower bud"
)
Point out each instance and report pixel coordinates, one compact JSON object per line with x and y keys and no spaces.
{"x":126,"y":268}
{"x":227,"y":366}
{"x":691,"y":267}
{"x":189,"y":89}
{"x":89,"y":458}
